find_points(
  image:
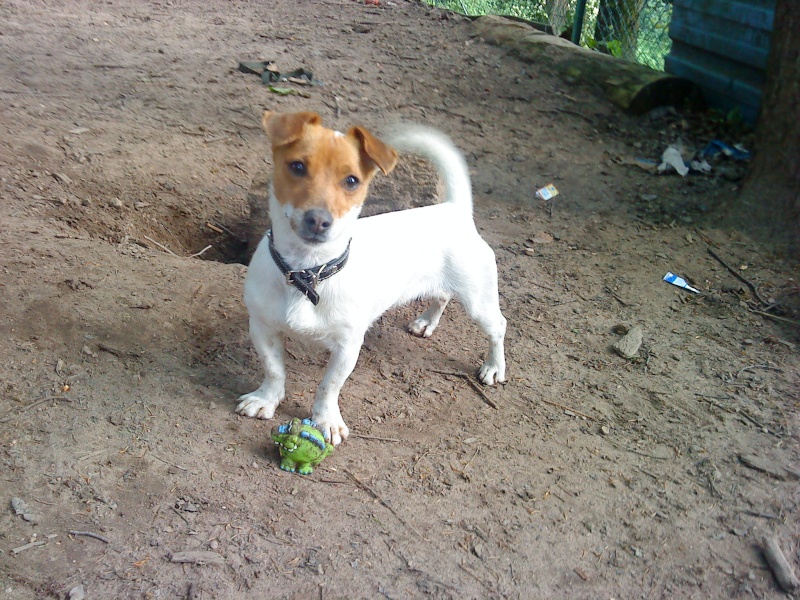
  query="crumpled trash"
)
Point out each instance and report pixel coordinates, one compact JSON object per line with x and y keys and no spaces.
{"x":701,"y":166}
{"x":717,"y":147}
{"x":677,"y":157}
{"x":269,"y":73}
{"x":547,"y":192}
{"x":680,"y":282}
{"x":672,"y":159}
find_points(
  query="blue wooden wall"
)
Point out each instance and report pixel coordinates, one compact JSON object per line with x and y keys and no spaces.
{"x":722,"y":46}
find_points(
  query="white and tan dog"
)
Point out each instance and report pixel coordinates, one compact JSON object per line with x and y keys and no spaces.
{"x":325,"y":275}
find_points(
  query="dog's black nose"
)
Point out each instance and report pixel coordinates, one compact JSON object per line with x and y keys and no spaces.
{"x":317,"y":220}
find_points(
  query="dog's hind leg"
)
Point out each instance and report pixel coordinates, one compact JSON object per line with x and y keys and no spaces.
{"x":425,"y":324}
{"x":493,"y":324}
{"x":478,"y":293}
{"x":269,"y":345}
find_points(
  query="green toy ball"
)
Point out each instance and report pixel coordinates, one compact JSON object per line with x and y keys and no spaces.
{"x":301,"y":444}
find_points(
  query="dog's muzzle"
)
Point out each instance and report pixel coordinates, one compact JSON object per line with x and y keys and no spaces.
{"x":316,"y":225}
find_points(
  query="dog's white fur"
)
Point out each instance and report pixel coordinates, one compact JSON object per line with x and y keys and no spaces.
{"x":433,"y":252}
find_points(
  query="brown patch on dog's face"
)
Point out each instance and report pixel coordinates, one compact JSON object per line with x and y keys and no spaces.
{"x":318,"y":168}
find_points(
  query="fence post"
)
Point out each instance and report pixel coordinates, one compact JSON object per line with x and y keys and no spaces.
{"x":577,"y":22}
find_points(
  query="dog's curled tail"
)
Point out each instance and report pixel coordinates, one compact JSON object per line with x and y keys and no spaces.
{"x":440,"y":150}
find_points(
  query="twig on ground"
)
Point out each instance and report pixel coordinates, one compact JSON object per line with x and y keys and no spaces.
{"x":726,"y":397}
{"x":472,"y":383}
{"x":90,"y":534}
{"x":115,"y":351}
{"x":375,"y":495}
{"x":234,"y":235}
{"x":743,"y":413}
{"x":561,"y":406}
{"x":765,"y":367}
{"x":776,"y":317}
{"x":339,"y":108}
{"x":177,"y":512}
{"x":706,"y":239}
{"x":738,"y":276}
{"x":541,"y":285}
{"x":781,"y":568}
{"x":581,"y":574}
{"x":567,"y":111}
{"x":620,"y":447}
{"x":196,"y":254}
{"x":473,"y":575}
{"x":8,"y":415}
{"x":616,"y":297}
{"x":162,"y":246}
{"x":166,"y":462}
{"x":761,"y":515}
{"x":372,"y":437}
{"x":19,"y":549}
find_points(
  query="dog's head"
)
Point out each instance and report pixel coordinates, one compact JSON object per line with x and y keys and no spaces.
{"x":321,"y":176}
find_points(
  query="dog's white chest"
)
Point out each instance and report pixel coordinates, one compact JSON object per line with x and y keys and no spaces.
{"x":292,"y":312}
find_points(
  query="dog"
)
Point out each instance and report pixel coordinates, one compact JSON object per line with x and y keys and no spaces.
{"x":325,"y":275}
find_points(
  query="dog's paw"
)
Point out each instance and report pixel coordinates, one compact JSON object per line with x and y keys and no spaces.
{"x":255,"y":404}
{"x":422,"y":327}
{"x":332,"y":426}
{"x":491,"y":373}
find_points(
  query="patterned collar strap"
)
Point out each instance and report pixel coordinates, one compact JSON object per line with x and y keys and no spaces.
{"x":306,"y":280}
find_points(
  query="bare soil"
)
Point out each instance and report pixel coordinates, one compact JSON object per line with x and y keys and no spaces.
{"x":128,"y":135}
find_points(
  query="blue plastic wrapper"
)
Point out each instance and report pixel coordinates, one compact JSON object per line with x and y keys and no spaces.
{"x":717,"y":147}
{"x":680,"y":282}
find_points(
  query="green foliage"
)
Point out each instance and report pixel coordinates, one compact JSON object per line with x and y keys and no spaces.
{"x":532,"y":10}
{"x":614,"y":48}
{"x":651,"y":38}
{"x":731,"y":122}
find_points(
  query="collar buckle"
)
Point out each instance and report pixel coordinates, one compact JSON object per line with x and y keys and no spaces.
{"x":307,"y":280}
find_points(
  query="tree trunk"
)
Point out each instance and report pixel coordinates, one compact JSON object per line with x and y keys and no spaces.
{"x":771,"y":194}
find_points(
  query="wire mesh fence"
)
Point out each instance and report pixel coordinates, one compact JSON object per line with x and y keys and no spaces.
{"x":634,"y":30}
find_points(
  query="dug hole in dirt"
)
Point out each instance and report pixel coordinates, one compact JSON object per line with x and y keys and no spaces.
{"x":130,"y":144}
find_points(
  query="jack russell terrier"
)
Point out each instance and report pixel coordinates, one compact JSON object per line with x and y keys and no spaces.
{"x":323,"y":274}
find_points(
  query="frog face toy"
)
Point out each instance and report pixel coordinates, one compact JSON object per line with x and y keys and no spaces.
{"x":302,"y":445}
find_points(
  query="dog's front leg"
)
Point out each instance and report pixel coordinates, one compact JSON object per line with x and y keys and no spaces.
{"x":269,"y":345}
{"x":326,"y":404}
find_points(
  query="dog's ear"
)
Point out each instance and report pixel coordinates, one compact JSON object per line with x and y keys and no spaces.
{"x":285,"y":128}
{"x":382,"y":155}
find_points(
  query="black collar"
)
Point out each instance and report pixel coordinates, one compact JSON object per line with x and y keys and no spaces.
{"x":306,"y":280}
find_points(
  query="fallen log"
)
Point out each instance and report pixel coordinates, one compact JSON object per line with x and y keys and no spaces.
{"x":633,"y":87}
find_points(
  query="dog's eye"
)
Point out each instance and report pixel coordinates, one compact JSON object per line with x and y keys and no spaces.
{"x":297,"y":168}
{"x":351,"y":182}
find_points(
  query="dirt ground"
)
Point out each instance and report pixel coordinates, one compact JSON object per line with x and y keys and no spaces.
{"x":129,"y":143}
